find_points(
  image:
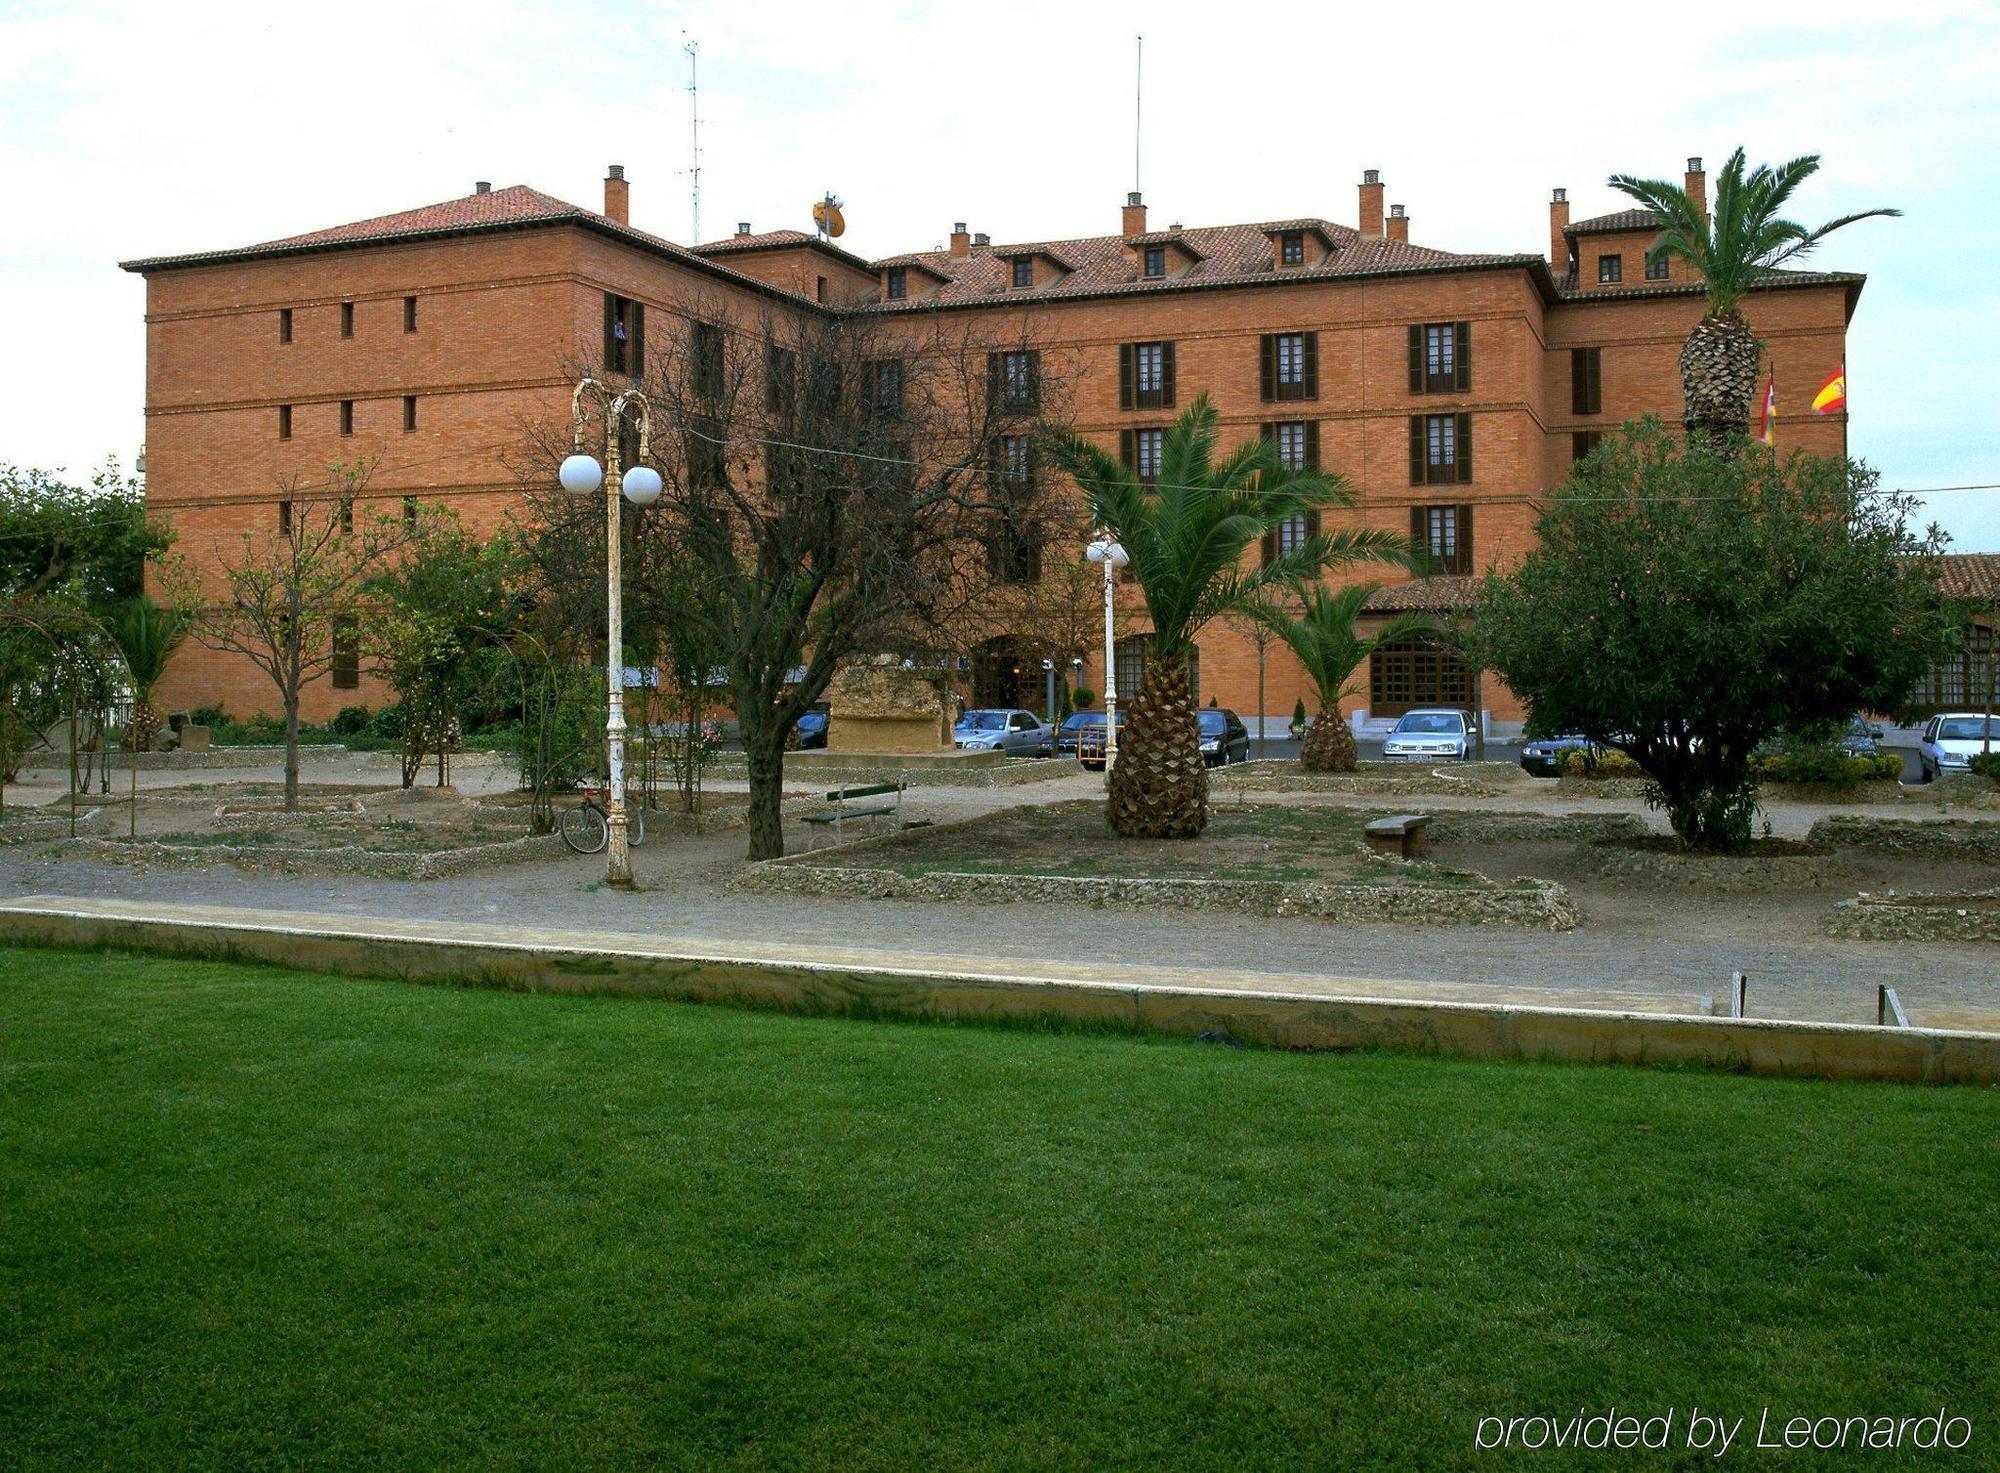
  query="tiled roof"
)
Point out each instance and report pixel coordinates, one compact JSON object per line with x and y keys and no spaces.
{"x":1447,"y":594}
{"x":501,"y":209}
{"x":775,"y":240}
{"x":1232,"y":255}
{"x":1970,"y":574}
{"x":1618,"y":220}
{"x":1570,"y":289}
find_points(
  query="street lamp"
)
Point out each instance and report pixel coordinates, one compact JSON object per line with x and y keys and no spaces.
{"x":1107,"y":550}
{"x":580,"y":474}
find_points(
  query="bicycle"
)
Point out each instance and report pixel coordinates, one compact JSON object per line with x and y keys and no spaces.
{"x":586,"y":828}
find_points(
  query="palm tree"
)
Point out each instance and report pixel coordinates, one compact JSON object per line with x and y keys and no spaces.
{"x":1186,"y":537}
{"x":1744,"y":241}
{"x":1322,"y":636}
{"x":147,"y":636}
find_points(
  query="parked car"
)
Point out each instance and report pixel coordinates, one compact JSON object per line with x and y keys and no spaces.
{"x":812,"y":727}
{"x":1856,"y":739}
{"x":1072,"y":728}
{"x":1224,"y":737}
{"x":1543,"y":756}
{"x":1010,"y":729}
{"x":1952,"y":739}
{"x":1430,"y":734}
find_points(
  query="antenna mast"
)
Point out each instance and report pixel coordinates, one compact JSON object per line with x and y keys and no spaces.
{"x":694,"y":143}
{"x":1138,"y":105}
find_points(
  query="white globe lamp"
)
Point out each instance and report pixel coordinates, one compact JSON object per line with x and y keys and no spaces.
{"x":642,"y":485}
{"x":580,"y":473}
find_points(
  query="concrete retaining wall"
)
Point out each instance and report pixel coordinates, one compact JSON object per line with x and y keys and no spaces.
{"x":1971,"y":916}
{"x":497,"y":957}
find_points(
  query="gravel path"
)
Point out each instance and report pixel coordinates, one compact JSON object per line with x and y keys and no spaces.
{"x":1630,"y":937}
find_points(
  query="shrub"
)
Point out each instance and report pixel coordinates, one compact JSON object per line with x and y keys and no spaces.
{"x":1299,"y":714}
{"x":1986,"y":764}
{"x":1607,"y":763}
{"x":387,"y":722}
{"x":1825,"y":767}
{"x":349,"y":721}
{"x":1084,"y":698}
{"x":210,"y":716}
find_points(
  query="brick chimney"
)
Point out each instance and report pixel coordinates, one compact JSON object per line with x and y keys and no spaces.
{"x":482,"y":186}
{"x":1399,"y":224}
{"x":1697,"y":186}
{"x":1371,"y":202}
{"x":1133,"y":220}
{"x":961,"y":243}
{"x":617,"y":195}
{"x":1558,"y":222}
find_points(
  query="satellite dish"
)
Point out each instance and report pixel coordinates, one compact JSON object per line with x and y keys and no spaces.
{"x":828,"y":219}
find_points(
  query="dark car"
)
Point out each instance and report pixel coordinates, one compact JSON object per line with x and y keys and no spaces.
{"x":1224,"y":737}
{"x":812,"y":727}
{"x":1072,"y":728}
{"x":1543,"y":756}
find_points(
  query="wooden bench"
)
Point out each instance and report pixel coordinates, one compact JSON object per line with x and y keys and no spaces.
{"x":1405,"y":835}
{"x":853,"y":800}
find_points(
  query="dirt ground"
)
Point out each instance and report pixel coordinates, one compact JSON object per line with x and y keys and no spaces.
{"x":1633,"y":934}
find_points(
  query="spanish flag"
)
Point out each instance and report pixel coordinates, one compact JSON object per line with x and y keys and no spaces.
{"x":1832,"y":395}
{"x":1769,"y":432}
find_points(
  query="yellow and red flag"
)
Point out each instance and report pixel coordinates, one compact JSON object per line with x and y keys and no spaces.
{"x":1832,"y":395}
{"x":1768,"y":432}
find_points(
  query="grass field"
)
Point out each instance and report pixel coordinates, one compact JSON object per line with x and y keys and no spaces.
{"x":250,"y":1216}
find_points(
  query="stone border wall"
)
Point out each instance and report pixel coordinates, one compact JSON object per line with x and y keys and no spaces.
{"x":822,"y":777}
{"x":1716,"y":874}
{"x":347,"y":859}
{"x":1541,"y":904}
{"x":1912,"y":838}
{"x":1971,"y":916}
{"x":1371,"y":779}
{"x":1471,"y":826}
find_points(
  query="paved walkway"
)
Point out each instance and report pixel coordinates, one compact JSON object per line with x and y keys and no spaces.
{"x":1631,"y":938}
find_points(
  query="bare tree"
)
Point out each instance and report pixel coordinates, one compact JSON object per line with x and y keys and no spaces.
{"x":834,"y":486}
{"x":289,"y":600}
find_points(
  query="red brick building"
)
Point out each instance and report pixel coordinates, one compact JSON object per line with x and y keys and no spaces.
{"x":1450,"y":389}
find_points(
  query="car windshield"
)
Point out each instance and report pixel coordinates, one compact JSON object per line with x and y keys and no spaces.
{"x":1212,"y":722}
{"x":983,"y":720}
{"x":1429,"y":723}
{"x":1966,"y":729}
{"x":1082,"y":719}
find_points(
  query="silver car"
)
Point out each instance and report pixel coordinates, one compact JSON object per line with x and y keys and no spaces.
{"x":1004,"y":729}
{"x":1430,"y":734}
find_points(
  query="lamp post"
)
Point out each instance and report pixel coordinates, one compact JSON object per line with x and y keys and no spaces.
{"x":581,"y":475}
{"x":1107,"y":550}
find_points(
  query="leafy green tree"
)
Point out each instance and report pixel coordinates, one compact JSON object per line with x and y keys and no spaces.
{"x":448,"y":598}
{"x":1189,"y":538}
{"x":1684,"y":604}
{"x":1322,"y":636}
{"x":89,"y":541}
{"x":1743,"y":240}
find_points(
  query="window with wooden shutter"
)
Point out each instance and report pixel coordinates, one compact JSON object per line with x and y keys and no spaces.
{"x":346,"y":653}
{"x":1126,"y":353}
{"x":1463,"y":381}
{"x":1442,"y":537}
{"x":993,"y":382}
{"x":1582,"y":442}
{"x":1464,"y":448}
{"x":1166,"y":375}
{"x":1586,"y":389}
{"x":1310,"y":345}
{"x":1267,"y":366}
{"x":1417,"y":376}
{"x":1152,"y":375}
{"x":1296,"y":365}
{"x":1418,"y":457}
{"x":780,"y":377}
{"x":709,"y":350}
{"x":635,"y":351}
{"x":1128,"y":449}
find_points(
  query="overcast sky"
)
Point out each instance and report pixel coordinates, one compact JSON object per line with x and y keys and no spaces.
{"x":131,"y":129}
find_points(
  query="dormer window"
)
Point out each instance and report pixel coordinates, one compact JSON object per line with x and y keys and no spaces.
{"x":1610,"y":268}
{"x":1024,"y":271}
{"x":899,"y":283}
{"x":1656,"y":268}
{"x":1156,"y":262}
{"x":1292,"y":248}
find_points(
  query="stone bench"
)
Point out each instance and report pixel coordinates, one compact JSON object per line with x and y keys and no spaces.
{"x":1405,"y":835}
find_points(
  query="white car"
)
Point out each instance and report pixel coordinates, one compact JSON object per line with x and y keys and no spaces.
{"x":1430,"y":734}
{"x":1952,"y":739}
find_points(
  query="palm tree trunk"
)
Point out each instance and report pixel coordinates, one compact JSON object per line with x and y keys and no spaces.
{"x":1329,"y":745}
{"x":1159,"y":785}
{"x":1719,"y":377}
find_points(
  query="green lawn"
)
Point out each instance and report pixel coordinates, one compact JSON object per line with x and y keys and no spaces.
{"x":251,"y":1216}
